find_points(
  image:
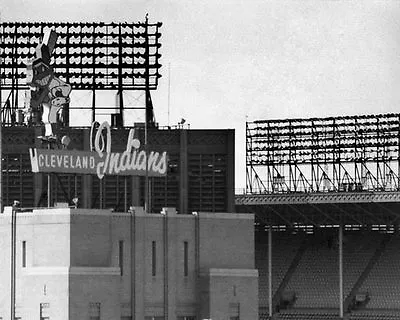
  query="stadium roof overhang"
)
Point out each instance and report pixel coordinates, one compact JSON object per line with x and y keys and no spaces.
{"x":323,"y":209}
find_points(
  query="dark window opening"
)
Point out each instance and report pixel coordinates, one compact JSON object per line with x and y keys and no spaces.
{"x":121,"y":257}
{"x":153,"y":259}
{"x":23,"y":254}
{"x":186,"y":258}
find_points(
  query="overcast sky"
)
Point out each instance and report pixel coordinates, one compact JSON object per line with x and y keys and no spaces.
{"x":231,"y":59}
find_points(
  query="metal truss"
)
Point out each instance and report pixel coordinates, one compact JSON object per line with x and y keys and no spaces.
{"x":336,"y":154}
{"x":293,"y":211}
{"x":318,"y":198}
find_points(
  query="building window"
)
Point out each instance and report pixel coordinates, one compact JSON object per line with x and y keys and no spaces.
{"x":234,"y":310}
{"x":44,"y":311}
{"x":121,"y":257}
{"x":186,"y":318}
{"x":94,"y":310}
{"x":153,"y":258}
{"x":185,"y":258}
{"x":23,"y":254}
{"x":154,"y":318}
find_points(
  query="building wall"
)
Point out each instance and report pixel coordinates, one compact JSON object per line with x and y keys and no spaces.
{"x":225,"y":230}
{"x":94,"y":248}
{"x":44,"y":279}
{"x":230,"y":293}
{"x":91,"y":287}
{"x":200,"y":175}
{"x":82,"y":264}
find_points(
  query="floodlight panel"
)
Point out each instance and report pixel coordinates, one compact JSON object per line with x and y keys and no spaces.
{"x":88,"y":55}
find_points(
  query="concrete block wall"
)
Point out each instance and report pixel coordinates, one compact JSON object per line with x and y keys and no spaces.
{"x":73,"y":259}
{"x":231,"y":293}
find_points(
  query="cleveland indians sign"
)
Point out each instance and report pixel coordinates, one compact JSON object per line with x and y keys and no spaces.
{"x":100,"y":160}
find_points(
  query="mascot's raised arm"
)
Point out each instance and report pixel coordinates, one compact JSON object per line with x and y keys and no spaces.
{"x":48,"y":94}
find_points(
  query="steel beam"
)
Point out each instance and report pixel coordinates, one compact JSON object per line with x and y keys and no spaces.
{"x":318,"y":198}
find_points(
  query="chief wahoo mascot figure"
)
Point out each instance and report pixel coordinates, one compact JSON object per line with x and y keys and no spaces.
{"x":48,"y":94}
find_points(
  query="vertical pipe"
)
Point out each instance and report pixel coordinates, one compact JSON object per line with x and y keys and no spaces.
{"x":270,"y":270}
{"x":120,"y":91}
{"x":93,"y":105}
{"x":197,"y":261}
{"x":13,"y":260}
{"x":341,"y":269}
{"x":133,"y":263}
{"x":13,"y":88}
{"x":76,"y":186}
{"x":48,"y":184}
{"x":146,"y":179}
{"x":94,"y":76}
{"x":48,"y":190}
{"x":101,"y":193}
{"x":166,"y":277}
{"x":183,"y":171}
{"x":169,"y":89}
{"x":125,"y":193}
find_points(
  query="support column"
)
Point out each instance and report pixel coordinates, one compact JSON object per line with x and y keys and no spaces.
{"x":139,"y":267}
{"x":93,"y":104}
{"x":165,"y":263}
{"x":13,"y":260}
{"x":230,"y":174}
{"x":270,"y":270}
{"x":125,"y":193}
{"x":37,"y":177}
{"x":132,"y":242}
{"x":341,"y":311}
{"x":171,"y":248}
{"x":197,"y":263}
{"x":183,"y":182}
{"x":49,"y":185}
{"x":86,"y":187}
{"x":136,"y":191}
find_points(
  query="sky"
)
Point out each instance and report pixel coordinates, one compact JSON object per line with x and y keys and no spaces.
{"x":226,"y":62}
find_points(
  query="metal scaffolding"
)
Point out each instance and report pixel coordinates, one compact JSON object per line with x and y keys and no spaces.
{"x":335,"y":154}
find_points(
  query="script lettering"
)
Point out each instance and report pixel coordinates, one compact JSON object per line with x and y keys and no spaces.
{"x":100,"y":160}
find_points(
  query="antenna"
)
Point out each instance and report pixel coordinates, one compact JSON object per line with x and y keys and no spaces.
{"x":169,"y":88}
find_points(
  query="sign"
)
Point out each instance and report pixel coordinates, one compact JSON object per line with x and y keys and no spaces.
{"x":47,"y":94}
{"x":101,"y":160}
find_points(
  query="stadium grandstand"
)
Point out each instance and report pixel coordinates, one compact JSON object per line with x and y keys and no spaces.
{"x":325,"y":192}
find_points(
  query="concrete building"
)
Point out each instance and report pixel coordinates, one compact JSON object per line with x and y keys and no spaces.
{"x":98,"y":264}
